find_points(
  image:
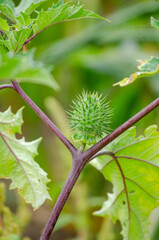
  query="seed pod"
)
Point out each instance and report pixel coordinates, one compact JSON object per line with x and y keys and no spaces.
{"x":89,"y":118}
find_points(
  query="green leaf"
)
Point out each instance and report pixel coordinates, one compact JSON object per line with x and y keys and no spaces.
{"x":60,"y":2}
{"x":155,"y":23}
{"x":8,"y":3}
{"x":17,"y":160}
{"x":23,"y":67}
{"x":18,"y":33}
{"x":133,"y":169}
{"x":23,"y":21}
{"x":7,"y":8}
{"x":146,"y":68}
{"x":61,"y":13}
{"x":15,"y":39}
{"x":22,"y":27}
{"x":28,"y":6}
{"x":4,"y":24}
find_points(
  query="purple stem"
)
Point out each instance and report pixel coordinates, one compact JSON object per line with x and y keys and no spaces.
{"x":45,"y":119}
{"x":118,"y":131}
{"x":77,"y":167}
{"x":84,"y":158}
{"x":6,"y":86}
{"x":79,"y":158}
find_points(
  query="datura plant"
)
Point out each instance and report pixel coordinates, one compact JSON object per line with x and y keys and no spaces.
{"x":90,"y":118}
{"x":130,"y":163}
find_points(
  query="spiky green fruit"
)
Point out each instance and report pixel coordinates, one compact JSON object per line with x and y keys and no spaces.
{"x":90,"y":118}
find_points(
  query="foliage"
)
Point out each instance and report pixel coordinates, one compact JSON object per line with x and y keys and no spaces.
{"x":22,"y":67}
{"x":17,"y":161}
{"x":103,"y":53}
{"x":128,"y":24}
{"x":18,"y":27}
{"x":146,"y":68}
{"x":133,"y":169}
{"x":24,"y":27}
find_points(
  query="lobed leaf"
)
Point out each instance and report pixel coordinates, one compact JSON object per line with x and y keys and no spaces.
{"x":17,"y":34}
{"x":28,"y":6}
{"x":23,"y":21}
{"x":146,"y":68}
{"x":15,"y":39}
{"x":7,"y":7}
{"x":23,"y":27}
{"x":133,"y":169}
{"x":17,"y":160}
{"x":23,"y":67}
{"x":59,"y":13}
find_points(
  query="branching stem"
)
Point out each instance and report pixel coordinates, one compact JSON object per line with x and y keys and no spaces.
{"x":45,"y":119}
{"x":80,"y":159}
{"x":85,"y":157}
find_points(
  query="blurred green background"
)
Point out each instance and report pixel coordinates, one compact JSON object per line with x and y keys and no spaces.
{"x":90,"y":55}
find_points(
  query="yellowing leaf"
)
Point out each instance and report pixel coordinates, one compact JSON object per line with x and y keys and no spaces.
{"x":146,"y":68}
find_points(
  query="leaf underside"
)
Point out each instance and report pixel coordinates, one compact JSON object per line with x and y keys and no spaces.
{"x":133,"y":169}
{"x":17,"y":161}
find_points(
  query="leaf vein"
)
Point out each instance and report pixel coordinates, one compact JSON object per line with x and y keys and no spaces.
{"x":18,"y":160}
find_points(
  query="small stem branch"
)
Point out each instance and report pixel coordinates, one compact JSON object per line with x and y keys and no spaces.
{"x":100,"y":153}
{"x":77,"y":167}
{"x":6,"y":86}
{"x":45,"y":119}
{"x":35,"y":35}
{"x":98,"y":146}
